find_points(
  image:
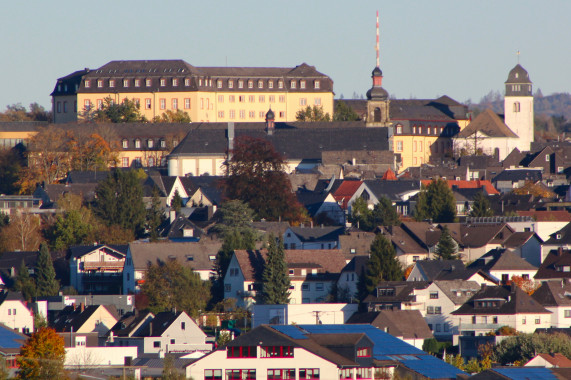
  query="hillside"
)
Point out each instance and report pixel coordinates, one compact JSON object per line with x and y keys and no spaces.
{"x":550,"y":105}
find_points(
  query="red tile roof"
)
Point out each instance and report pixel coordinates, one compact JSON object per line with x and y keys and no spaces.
{"x":389,"y":175}
{"x":345,"y":191}
{"x":463,"y":184}
{"x":556,"y":359}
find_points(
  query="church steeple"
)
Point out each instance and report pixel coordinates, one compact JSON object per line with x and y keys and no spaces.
{"x":377,"y":96}
{"x":518,"y":106}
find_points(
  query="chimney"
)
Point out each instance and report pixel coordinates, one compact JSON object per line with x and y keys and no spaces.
{"x":82,"y":307}
{"x":161,"y":354}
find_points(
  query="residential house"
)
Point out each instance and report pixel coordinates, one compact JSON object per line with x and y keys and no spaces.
{"x":85,"y":319}
{"x":547,"y":222}
{"x":407,"y":325}
{"x":502,"y":264}
{"x":10,"y":204}
{"x":556,"y":266}
{"x":413,"y":241}
{"x":165,"y":332}
{"x":397,"y":191}
{"x":348,"y":191}
{"x":200,"y":256}
{"x":555,"y":296}
{"x":495,"y":306}
{"x":324,"y":237}
{"x":396,"y":295}
{"x":313,"y":273}
{"x":11,"y":342}
{"x":14,"y":312}
{"x":448,"y":270}
{"x":349,"y":278}
{"x":318,"y":351}
{"x":477,"y":239}
{"x":559,"y":239}
{"x":97,"y":269}
{"x":321,"y":206}
{"x":442,"y":297}
{"x":182,"y":230}
{"x":10,"y":263}
{"x":356,"y":242}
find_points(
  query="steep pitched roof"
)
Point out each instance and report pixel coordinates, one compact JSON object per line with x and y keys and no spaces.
{"x":555,"y":266}
{"x":553,"y":293}
{"x":434,"y":269}
{"x":458,"y":291}
{"x":393,"y":190}
{"x":72,"y":318}
{"x":489,"y":124}
{"x":501,"y":259}
{"x":345,"y":191}
{"x":317,"y":234}
{"x":555,"y":359}
{"x":403,"y":291}
{"x":462,"y":184}
{"x":130,"y":323}
{"x":115,"y":250}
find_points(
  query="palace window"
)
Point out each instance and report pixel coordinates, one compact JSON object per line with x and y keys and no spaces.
{"x":163,"y":82}
{"x":282,"y":114}
{"x":261,"y":99}
{"x":262,"y":114}
{"x":302,"y":101}
{"x":125,"y":143}
{"x":148,"y":82}
{"x":293,"y":84}
{"x":280,"y":84}
{"x":163,"y":103}
{"x":240,"y":84}
{"x":111,"y":82}
{"x":150,"y":143}
{"x":221,"y":114}
{"x":276,"y":352}
{"x":99,"y":83}
{"x":148,"y":103}
{"x":316,"y":85}
{"x":137,"y":144}
{"x":250,"y":84}
{"x":219,"y":83}
{"x":399,"y":146}
{"x":302,"y":84}
{"x":187,"y":82}
{"x":175,"y":82}
{"x":242,"y":114}
{"x":252,"y":99}
{"x":87,"y":83}
{"x":99,"y":104}
{"x":282,"y":98}
{"x":272,"y":99}
{"x":260,"y":84}
{"x":230,"y":84}
{"x":271,"y":84}
{"x":125,"y":82}
{"x":317,"y":101}
{"x":231,"y":98}
{"x":137,"y":83}
{"x":187,"y":103}
{"x":86,"y":104}
{"x":175,"y":104}
{"x":232,"y":114}
{"x":125,"y":162}
{"x":241,"y":98}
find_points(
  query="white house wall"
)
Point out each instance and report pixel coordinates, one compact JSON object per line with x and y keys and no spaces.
{"x":93,"y":356}
{"x":15,"y":315}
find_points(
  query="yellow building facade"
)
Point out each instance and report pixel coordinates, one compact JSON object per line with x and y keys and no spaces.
{"x":207,"y":94}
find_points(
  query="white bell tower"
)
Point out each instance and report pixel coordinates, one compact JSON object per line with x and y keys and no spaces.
{"x":518,"y":106}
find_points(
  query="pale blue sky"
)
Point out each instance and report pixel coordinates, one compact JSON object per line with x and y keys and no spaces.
{"x":462,"y":49}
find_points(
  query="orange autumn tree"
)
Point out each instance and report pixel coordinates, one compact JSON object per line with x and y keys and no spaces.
{"x":42,"y":356}
{"x":527,"y":285}
{"x":535,"y":189}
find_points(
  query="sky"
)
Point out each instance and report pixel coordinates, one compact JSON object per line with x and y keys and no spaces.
{"x":463,"y":49}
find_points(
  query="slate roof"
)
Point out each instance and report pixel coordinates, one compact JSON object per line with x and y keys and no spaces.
{"x":512,"y":299}
{"x":317,"y":234}
{"x":160,"y":323}
{"x":553,"y":293}
{"x":517,"y":239}
{"x":408,"y":324}
{"x":564,"y":235}
{"x":403,"y":240}
{"x":11,"y":296}
{"x":358,"y":264}
{"x":177,"y":227}
{"x":195,"y":255}
{"x":554,"y":264}
{"x":72,"y":318}
{"x":311,"y":200}
{"x":357,"y":240}
{"x":479,"y":235}
{"x":514,"y":175}
{"x":325,"y":260}
{"x":393,"y":190}
{"x":267,"y":227}
{"x":488,"y":123}
{"x":210,"y":186}
{"x":13,"y":260}
{"x":435,"y":269}
{"x":501,"y":259}
{"x":286,"y":139}
{"x":403,"y":291}
{"x":130,"y":323}
{"x":83,"y":176}
{"x":518,"y":75}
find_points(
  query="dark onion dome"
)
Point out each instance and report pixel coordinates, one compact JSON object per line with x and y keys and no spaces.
{"x":518,"y":75}
{"x":377,"y":72}
{"x":270,"y":115}
{"x":377,"y":93}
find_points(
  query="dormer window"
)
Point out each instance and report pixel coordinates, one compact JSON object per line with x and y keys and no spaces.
{"x":260,"y":84}
{"x":558,"y":236}
{"x":281,"y":84}
{"x":293,"y":84}
{"x":364,"y":352}
{"x":137,"y":83}
{"x":137,"y":144}
{"x":148,"y":82}
{"x":111,"y":83}
{"x":240,"y":84}
{"x":218,"y":83}
{"x":187,"y":82}
{"x":230,"y":84}
{"x":150,"y":143}
{"x":399,"y":129}
{"x":163,"y":82}
{"x":99,"y":83}
{"x":125,"y":82}
{"x":125,"y":143}
{"x":250,"y":84}
{"x":316,"y":85}
{"x":87,"y":83}
{"x":302,"y":85}
{"x":163,"y":143}
{"x":271,"y":84}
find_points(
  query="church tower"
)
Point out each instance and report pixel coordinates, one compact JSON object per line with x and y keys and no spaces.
{"x":518,"y":106}
{"x":377,"y":96}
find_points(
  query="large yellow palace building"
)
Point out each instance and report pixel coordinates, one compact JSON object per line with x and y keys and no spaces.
{"x":207,"y":94}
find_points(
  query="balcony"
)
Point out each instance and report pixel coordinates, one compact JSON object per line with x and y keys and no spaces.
{"x":479,"y":326}
{"x":93,"y":278}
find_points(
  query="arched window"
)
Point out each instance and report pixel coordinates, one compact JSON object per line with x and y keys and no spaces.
{"x":377,"y":115}
{"x":516,"y":107}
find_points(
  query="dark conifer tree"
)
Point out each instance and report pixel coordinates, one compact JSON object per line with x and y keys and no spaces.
{"x":481,"y":206}
{"x":46,"y":282}
{"x":446,"y":248}
{"x":275,"y":280}
{"x":383,"y":264}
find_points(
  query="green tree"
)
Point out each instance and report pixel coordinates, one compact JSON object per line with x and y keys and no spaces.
{"x":383,"y":264}
{"x":361,"y":215}
{"x":169,"y":285}
{"x":176,"y":201}
{"x":436,"y":202}
{"x":384,"y":213}
{"x":46,"y":282}
{"x":173,"y":117}
{"x":155,"y":215}
{"x":521,"y":348}
{"x":344,"y":112}
{"x":71,"y":228}
{"x":275,"y":279}
{"x":170,"y":372}
{"x":446,"y":249}
{"x":42,"y":356}
{"x":314,"y":113}
{"x":24,"y":283}
{"x":126,"y":111}
{"x":11,"y":166}
{"x":481,"y":206}
{"x":255,"y":174}
{"x":119,"y":201}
